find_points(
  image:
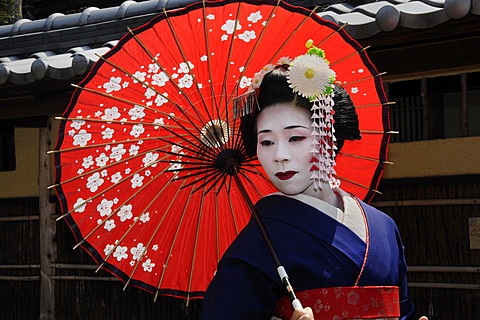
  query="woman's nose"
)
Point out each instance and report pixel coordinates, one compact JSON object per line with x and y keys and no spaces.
{"x":282,"y":153}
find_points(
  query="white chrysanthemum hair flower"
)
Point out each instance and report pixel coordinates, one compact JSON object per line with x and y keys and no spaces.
{"x":309,"y":75}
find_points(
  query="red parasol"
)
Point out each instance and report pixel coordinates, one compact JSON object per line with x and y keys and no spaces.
{"x":149,"y":148}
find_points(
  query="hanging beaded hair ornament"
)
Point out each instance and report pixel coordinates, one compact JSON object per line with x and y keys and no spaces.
{"x":309,"y":76}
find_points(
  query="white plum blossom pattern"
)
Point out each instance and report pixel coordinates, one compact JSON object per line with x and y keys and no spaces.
{"x":137,"y":130}
{"x":184,"y":67}
{"x":108,"y":133}
{"x":211,"y":17}
{"x":224,"y":37}
{"x":136,"y":112}
{"x":133,"y":150}
{"x":352,"y":297}
{"x":247,"y":36}
{"x":160,"y":121}
{"x":87,"y":162}
{"x":125,"y":212}
{"x":94,"y":181}
{"x":120,"y":253}
{"x":81,"y":138}
{"x":118,"y":152}
{"x":148,"y":265}
{"x":153,"y":68}
{"x":139,"y":75}
{"x":109,"y":225}
{"x":137,"y":180}
{"x":155,"y":247}
{"x":254,"y":17}
{"x":150,"y":93}
{"x":245,"y":82}
{"x":111,"y":114}
{"x":77,"y":124}
{"x":150,"y":158}
{"x":137,"y":251}
{"x":101,"y":160}
{"x":354,"y":90}
{"x":113,"y":84}
{"x":145,"y":217}
{"x":80,"y":205}
{"x":160,"y":79}
{"x":105,"y":207}
{"x":230,"y":25}
{"x":108,"y":249}
{"x":204,"y":58}
{"x":116,"y":177}
{"x":160,"y":99}
{"x":186,"y":81}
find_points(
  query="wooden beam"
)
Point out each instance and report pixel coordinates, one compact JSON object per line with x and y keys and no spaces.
{"x":48,"y":249}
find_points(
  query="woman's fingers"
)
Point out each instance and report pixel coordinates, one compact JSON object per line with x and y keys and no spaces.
{"x":303,"y":314}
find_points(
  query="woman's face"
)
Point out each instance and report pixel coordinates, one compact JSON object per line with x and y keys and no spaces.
{"x":284,"y":144}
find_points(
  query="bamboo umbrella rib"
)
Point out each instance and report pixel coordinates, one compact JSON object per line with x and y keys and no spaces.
{"x":218,"y":176}
{"x":366,"y":158}
{"x":378,"y":132}
{"x":358,"y":184}
{"x":376,"y":104}
{"x":349,"y":56}
{"x":120,"y":122}
{"x":211,"y":178}
{"x":232,"y":210}
{"x":130,"y":102}
{"x":144,"y":251}
{"x":331,"y":35}
{"x":174,"y":241}
{"x":363,"y":79}
{"x":197,"y":233}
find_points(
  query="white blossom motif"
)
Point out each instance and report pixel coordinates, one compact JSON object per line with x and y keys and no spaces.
{"x":118,"y":152}
{"x":80,"y":205}
{"x":184,"y":67}
{"x":133,"y":150}
{"x":137,"y":251}
{"x":108,"y":249}
{"x":120,"y":253}
{"x":210,"y":17}
{"x":160,"y":79}
{"x":77,"y":124}
{"x":150,"y":93}
{"x":145,"y":217}
{"x":104,"y":173}
{"x":87,"y":162}
{"x":113,"y":84}
{"x":186,"y":81}
{"x":101,"y":160}
{"x":174,"y":167}
{"x":247,"y":36}
{"x":148,"y":173}
{"x":125,"y":84}
{"x":153,"y":68}
{"x":230,"y":25}
{"x":159,"y":100}
{"x":80,"y":171}
{"x":71,"y":133}
{"x":148,"y":265}
{"x":94,"y":181}
{"x":137,"y":180}
{"x":245,"y":82}
{"x":176,"y":149}
{"x":116,"y":177}
{"x":224,"y":37}
{"x":204,"y":58}
{"x":81,"y":138}
{"x":137,"y":130}
{"x":111,"y":114}
{"x":354,"y":90}
{"x":107,"y":133}
{"x":105,"y":207}
{"x":136,"y":112}
{"x":155,"y":247}
{"x":150,"y":158}
{"x":125,"y":212}
{"x":352,"y":298}
{"x":160,"y":121}
{"x":139,"y":75}
{"x":254,"y":17}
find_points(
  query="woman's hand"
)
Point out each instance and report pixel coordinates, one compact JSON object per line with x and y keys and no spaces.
{"x":303,"y":314}
{"x":423,"y":318}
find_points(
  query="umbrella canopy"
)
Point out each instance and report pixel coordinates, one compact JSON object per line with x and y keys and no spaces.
{"x":149,"y":145}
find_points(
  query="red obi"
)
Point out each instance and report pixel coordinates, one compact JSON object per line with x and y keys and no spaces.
{"x":345,"y":303}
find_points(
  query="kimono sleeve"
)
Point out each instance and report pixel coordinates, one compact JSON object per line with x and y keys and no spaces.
{"x":239,"y":291}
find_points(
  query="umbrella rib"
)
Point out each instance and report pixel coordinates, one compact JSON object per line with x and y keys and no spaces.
{"x":129,"y":102}
{"x":349,"y":56}
{"x":331,"y":34}
{"x":378,"y":132}
{"x":232,"y":210}
{"x":174,"y":241}
{"x":363,"y":79}
{"x":120,"y":122}
{"x":358,"y":184}
{"x":212,"y":177}
{"x":366,"y":158}
{"x":376,"y":104}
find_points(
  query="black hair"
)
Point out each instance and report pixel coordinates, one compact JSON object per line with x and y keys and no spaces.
{"x":275,"y":89}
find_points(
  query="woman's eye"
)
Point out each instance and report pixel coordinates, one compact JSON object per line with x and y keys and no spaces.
{"x":296,"y":139}
{"x":266,"y":143}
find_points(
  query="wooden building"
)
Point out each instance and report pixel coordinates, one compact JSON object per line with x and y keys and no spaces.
{"x":430,"y":50}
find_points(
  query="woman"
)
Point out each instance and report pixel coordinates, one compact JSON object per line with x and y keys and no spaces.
{"x":321,"y":234}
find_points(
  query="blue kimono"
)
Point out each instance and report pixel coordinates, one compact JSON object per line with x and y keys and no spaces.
{"x":316,"y":250}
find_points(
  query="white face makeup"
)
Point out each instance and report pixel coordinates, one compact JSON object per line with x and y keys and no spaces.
{"x":284,"y":144}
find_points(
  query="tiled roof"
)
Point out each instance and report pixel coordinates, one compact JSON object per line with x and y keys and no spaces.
{"x":64,"y":46}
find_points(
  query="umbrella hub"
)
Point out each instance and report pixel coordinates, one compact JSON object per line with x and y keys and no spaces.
{"x":228,"y":161}
{"x":215,"y":133}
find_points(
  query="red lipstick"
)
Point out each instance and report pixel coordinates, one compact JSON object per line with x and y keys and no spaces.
{"x":285,"y":175}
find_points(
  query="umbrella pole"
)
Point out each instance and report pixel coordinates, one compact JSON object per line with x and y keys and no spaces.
{"x":280,"y":269}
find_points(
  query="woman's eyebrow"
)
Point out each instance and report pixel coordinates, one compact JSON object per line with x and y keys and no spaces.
{"x":264,"y":131}
{"x":296,"y":126}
